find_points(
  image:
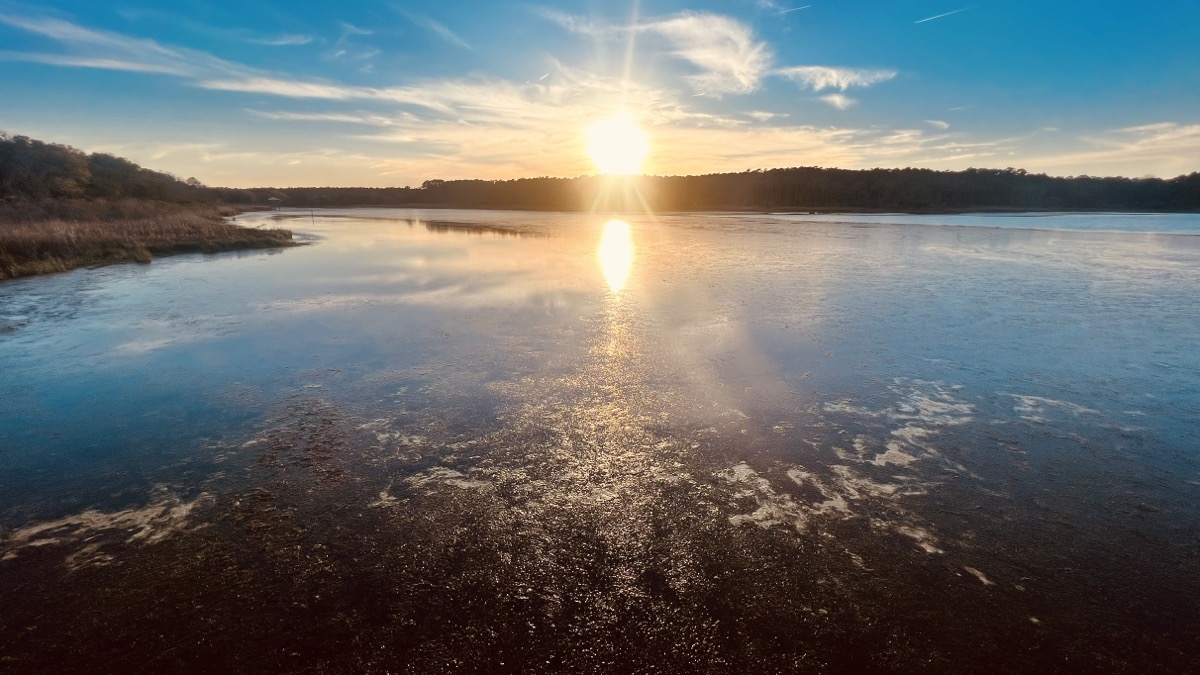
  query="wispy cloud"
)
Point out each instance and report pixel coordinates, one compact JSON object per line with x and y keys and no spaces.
{"x":763,"y":116}
{"x":434,"y":27}
{"x":349,"y":29}
{"x":819,"y":78}
{"x":361,"y":118}
{"x":92,"y":62}
{"x":495,"y":128}
{"x":576,"y":24}
{"x":839,"y":101}
{"x":348,"y":49}
{"x":938,"y":124}
{"x":305,"y":89}
{"x":285,"y":40}
{"x":223,"y":33}
{"x":90,"y":48}
{"x":1171,"y":146}
{"x":939,"y":16}
{"x":733,"y":61}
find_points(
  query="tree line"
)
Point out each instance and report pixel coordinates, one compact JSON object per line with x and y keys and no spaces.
{"x":35,"y":170}
{"x":802,"y":188}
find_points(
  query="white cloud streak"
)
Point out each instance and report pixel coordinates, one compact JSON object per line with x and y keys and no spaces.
{"x":732,"y":60}
{"x":819,"y":78}
{"x":1172,"y":147}
{"x":438,"y":29}
{"x":103,"y":49}
{"x":939,"y":16}
{"x":286,"y":40}
{"x":763,"y":115}
{"x":91,"y":62}
{"x":839,"y":101}
{"x":495,"y":128}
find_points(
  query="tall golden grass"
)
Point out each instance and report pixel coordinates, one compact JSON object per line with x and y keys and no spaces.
{"x":131,"y":231}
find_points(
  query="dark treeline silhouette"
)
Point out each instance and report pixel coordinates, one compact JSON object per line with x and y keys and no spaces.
{"x":34,"y":171}
{"x":805,"y":188}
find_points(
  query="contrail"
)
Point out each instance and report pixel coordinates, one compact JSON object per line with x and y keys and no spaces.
{"x":941,"y":15}
{"x":794,"y":9}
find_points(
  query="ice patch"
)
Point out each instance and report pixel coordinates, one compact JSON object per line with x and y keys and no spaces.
{"x":1037,"y":408}
{"x":773,"y":508}
{"x":923,"y":537}
{"x":836,"y":497}
{"x":150,"y":524}
{"x":845,"y":407}
{"x":834,"y":501}
{"x":894,"y":455}
{"x":443,"y":475}
{"x":385,"y":501}
{"x":980,"y":576}
{"x":924,"y":409}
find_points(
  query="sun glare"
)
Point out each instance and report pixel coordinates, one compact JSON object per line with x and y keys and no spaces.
{"x":617,"y":145}
{"x":616,"y":254}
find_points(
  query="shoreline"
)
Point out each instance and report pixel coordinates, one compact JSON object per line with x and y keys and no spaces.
{"x":48,"y":246}
{"x":830,"y":210}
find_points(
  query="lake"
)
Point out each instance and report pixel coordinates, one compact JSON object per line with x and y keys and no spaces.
{"x":485,"y":441}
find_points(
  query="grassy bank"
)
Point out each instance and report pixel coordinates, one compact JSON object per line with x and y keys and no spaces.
{"x":55,"y":237}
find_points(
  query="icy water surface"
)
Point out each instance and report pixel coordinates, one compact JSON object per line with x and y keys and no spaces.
{"x":468,"y":441}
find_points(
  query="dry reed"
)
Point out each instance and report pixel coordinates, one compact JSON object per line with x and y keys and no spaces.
{"x":34,"y":246}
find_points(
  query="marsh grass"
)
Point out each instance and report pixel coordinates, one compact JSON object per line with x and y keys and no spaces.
{"x":87,"y":233}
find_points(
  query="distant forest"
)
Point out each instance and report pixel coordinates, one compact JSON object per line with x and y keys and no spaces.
{"x":33,"y":172}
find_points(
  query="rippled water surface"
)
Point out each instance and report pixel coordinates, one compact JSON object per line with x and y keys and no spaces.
{"x":470,"y":441}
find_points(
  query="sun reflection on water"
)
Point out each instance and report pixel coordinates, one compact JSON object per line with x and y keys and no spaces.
{"x":616,"y":254}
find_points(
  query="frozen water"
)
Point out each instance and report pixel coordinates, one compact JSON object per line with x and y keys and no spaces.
{"x":824,"y":419}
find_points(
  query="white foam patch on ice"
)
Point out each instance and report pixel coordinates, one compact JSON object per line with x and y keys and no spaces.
{"x":923,"y":537}
{"x":385,"y":501}
{"x":445,"y":476}
{"x":774,"y":508}
{"x":924,"y":408}
{"x":836,"y":498}
{"x":400,"y":443}
{"x":150,"y":524}
{"x":859,"y":486}
{"x":846,"y":496}
{"x":399,"y":438}
{"x":835,"y":502}
{"x":895,"y":455}
{"x":1037,"y":408}
{"x":844,"y":406}
{"x":980,"y":576}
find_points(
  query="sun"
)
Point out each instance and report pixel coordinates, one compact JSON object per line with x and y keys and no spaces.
{"x":617,"y":145}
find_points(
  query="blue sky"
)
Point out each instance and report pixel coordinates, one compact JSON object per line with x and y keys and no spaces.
{"x":393,"y":92}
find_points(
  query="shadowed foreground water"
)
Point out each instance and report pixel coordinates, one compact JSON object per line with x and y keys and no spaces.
{"x":514,"y":442}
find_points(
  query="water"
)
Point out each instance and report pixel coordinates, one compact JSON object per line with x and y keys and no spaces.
{"x":486,"y":441}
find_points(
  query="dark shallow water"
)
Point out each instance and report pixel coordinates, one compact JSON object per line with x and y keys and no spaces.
{"x":459,"y":441}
